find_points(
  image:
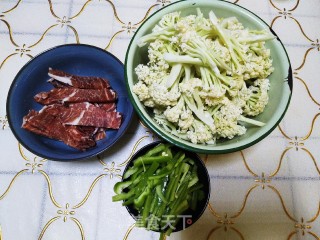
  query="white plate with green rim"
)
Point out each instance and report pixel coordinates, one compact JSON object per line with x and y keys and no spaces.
{"x":280,"y":80}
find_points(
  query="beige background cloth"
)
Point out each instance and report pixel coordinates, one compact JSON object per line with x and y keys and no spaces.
{"x":268,"y":191}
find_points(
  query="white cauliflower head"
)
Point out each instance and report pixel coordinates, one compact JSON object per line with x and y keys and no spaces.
{"x":143,"y":73}
{"x":190,"y":85}
{"x":200,"y":134}
{"x":186,"y":120}
{"x":258,"y":97}
{"x":161,"y":96}
{"x":141,"y":90}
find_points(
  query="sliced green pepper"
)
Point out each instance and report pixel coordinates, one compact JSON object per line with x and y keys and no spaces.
{"x":155,"y":202}
{"x":138,"y":202}
{"x":128,"y":201}
{"x":149,"y":160}
{"x":119,"y":186}
{"x":157,"y":149}
{"x":129,"y":172}
{"x":122,"y":196}
{"x":144,"y":178}
{"x":194,"y":200}
{"x":146,"y":210}
{"x":161,"y":174}
{"x":195,"y":187}
{"x":160,"y":194}
{"x":183,"y":207}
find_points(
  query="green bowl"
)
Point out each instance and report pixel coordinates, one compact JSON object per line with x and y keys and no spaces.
{"x":280,"y":80}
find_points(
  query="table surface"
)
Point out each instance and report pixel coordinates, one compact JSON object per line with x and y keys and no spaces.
{"x":268,"y":191}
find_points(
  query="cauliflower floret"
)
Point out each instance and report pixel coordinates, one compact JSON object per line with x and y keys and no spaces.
{"x":229,"y":130}
{"x":258,"y":98}
{"x":188,"y":87}
{"x":186,"y":120}
{"x":161,"y":66}
{"x":230,"y":111}
{"x":172,"y":114}
{"x":158,"y":111}
{"x":169,"y":127}
{"x":264,"y":53}
{"x":211,"y":101}
{"x":167,"y":20}
{"x":174,"y":40}
{"x":187,"y":36}
{"x":161,"y":96}
{"x":232,"y":84}
{"x":141,"y":90}
{"x":212,"y":92}
{"x":192,"y":136}
{"x":259,"y":64}
{"x":200,"y":134}
{"x":219,"y":50}
{"x":151,"y":73}
{"x":260,"y":50}
{"x":232,"y":24}
{"x":263,"y":84}
{"x":156,"y":50}
{"x":186,"y":24}
{"x":201,"y":22}
{"x":242,"y":97}
{"x":143,"y":73}
{"x":157,"y":75}
{"x":149,"y":103}
{"x":258,"y":69}
{"x":226,"y":121}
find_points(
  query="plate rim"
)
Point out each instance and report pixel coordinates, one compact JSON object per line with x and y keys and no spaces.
{"x":12,"y":87}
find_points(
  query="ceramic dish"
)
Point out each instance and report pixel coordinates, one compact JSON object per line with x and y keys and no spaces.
{"x":77,"y":59}
{"x":204,"y":179}
{"x":281,"y":79}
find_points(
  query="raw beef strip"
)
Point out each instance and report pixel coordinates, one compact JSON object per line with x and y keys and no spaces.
{"x":100,"y":134}
{"x":47,"y":123}
{"x":78,"y":81}
{"x":57,"y":84}
{"x":71,"y":95}
{"x":96,"y":133}
{"x":87,"y":114}
{"x":109,"y":107}
{"x":88,"y":130}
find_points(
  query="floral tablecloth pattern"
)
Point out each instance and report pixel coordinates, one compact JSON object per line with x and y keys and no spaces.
{"x":268,"y":191}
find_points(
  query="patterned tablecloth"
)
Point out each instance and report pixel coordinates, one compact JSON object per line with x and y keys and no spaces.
{"x":268,"y":191}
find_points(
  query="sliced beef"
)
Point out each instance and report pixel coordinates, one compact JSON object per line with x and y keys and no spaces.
{"x":47,"y":123}
{"x":74,"y":95}
{"x":77,"y":139}
{"x":87,"y":114}
{"x":58,"y":84}
{"x":100,"y":134}
{"x":95,"y":132}
{"x":109,"y":107}
{"x":78,"y":111}
{"x":89,"y":130}
{"x":77,"y":81}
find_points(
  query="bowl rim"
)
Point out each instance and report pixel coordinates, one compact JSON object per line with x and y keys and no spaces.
{"x":167,"y":136}
{"x":11,"y":89}
{"x":198,"y":160}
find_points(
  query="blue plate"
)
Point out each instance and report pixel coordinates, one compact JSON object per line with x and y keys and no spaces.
{"x":77,"y":59}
